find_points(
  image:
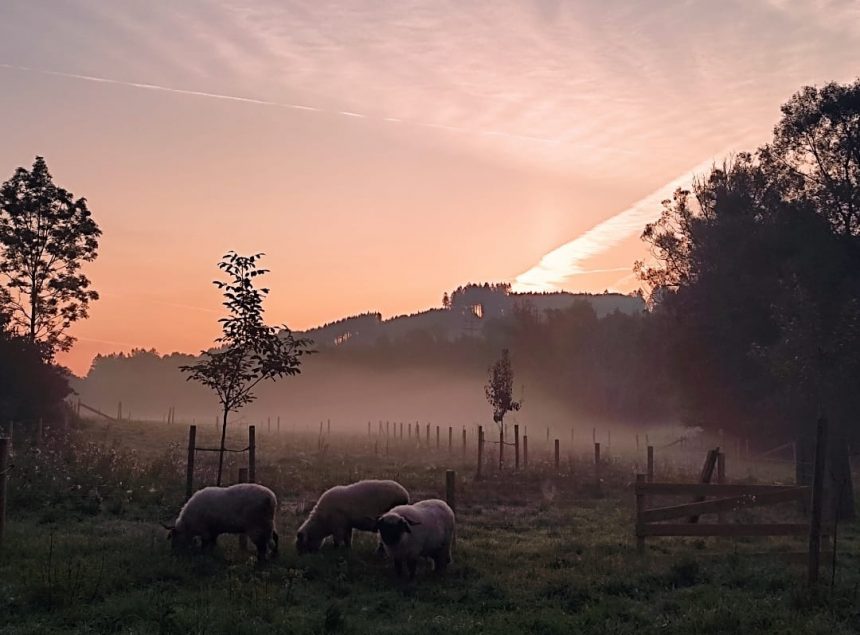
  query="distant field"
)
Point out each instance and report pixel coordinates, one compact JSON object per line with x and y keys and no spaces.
{"x":536,"y":552}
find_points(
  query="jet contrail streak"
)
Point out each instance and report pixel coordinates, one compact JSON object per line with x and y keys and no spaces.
{"x":566,"y":261}
{"x":277,"y":104}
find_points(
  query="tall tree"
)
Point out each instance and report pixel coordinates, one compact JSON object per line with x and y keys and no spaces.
{"x":45,"y":237}
{"x":816,"y":152}
{"x":248,"y":351}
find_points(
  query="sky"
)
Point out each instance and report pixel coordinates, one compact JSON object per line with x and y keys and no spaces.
{"x":383,"y":153}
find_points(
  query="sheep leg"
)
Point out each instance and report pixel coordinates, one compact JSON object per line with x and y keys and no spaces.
{"x":412,"y":565}
{"x":274,"y":541}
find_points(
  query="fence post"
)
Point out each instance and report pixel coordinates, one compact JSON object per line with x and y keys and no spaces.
{"x":597,"y":467}
{"x":4,"y":474}
{"x":721,"y":477}
{"x":650,"y":471}
{"x":428,"y":436}
{"x":252,"y":454}
{"x":516,"y":446}
{"x":817,"y":500}
{"x":556,"y":455}
{"x":640,"y":507}
{"x":437,"y":437}
{"x":480,"y":452}
{"x":464,"y":443}
{"x":525,"y":451}
{"x":189,"y":471}
{"x":450,"y":489}
{"x":450,"y":439}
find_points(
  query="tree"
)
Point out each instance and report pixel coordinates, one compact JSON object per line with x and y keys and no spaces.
{"x":45,"y":237}
{"x":816,"y":152}
{"x":758,"y":279}
{"x":499,"y":391}
{"x":248,"y":351}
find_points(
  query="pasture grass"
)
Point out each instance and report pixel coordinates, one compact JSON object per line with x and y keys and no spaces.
{"x":535,"y":553}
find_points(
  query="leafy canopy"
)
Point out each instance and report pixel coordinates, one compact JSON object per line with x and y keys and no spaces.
{"x":500,"y":387}
{"x":248,"y":351}
{"x":45,"y":237}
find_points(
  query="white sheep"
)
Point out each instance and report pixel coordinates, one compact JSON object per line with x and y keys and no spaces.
{"x":346,"y":507}
{"x":423,"y":530}
{"x":245,"y":508}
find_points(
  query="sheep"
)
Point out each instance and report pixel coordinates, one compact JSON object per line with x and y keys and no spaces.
{"x":425,"y":529}
{"x":246,"y":508}
{"x":346,"y":507}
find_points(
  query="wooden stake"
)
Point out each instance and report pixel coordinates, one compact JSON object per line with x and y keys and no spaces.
{"x":189,"y":470}
{"x":556,"y":455}
{"x":480,"y":452}
{"x":516,"y":446}
{"x":252,"y":454}
{"x":817,"y":501}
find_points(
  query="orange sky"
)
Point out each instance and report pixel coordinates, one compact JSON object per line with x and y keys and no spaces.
{"x":489,"y":135}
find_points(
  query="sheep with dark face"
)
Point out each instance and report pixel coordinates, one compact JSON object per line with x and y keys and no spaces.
{"x":246,"y":508}
{"x":423,"y":530}
{"x":346,"y":507}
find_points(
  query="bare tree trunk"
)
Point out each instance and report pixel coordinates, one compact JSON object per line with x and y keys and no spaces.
{"x":221,"y":449}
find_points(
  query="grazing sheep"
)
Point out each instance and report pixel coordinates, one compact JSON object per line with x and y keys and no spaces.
{"x":246,"y":508}
{"x":423,"y":530}
{"x":346,"y":507}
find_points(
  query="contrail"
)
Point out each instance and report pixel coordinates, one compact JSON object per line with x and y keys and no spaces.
{"x":278,"y":104}
{"x":566,"y":261}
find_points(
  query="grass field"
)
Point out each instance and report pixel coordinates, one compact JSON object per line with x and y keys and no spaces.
{"x":535,"y":553}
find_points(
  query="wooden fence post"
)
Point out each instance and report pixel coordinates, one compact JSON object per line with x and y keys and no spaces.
{"x":516,"y":446}
{"x":706,"y":476}
{"x":189,"y":470}
{"x":450,"y":489}
{"x":650,"y":472}
{"x":525,"y":451}
{"x":437,"y":437}
{"x":640,"y":507}
{"x":556,"y":455}
{"x":428,"y":436}
{"x":4,"y":475}
{"x":817,"y":500}
{"x":597,"y":467}
{"x":252,"y":454}
{"x":450,"y":439}
{"x":721,"y":476}
{"x":480,"y":452}
{"x":464,"y":443}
